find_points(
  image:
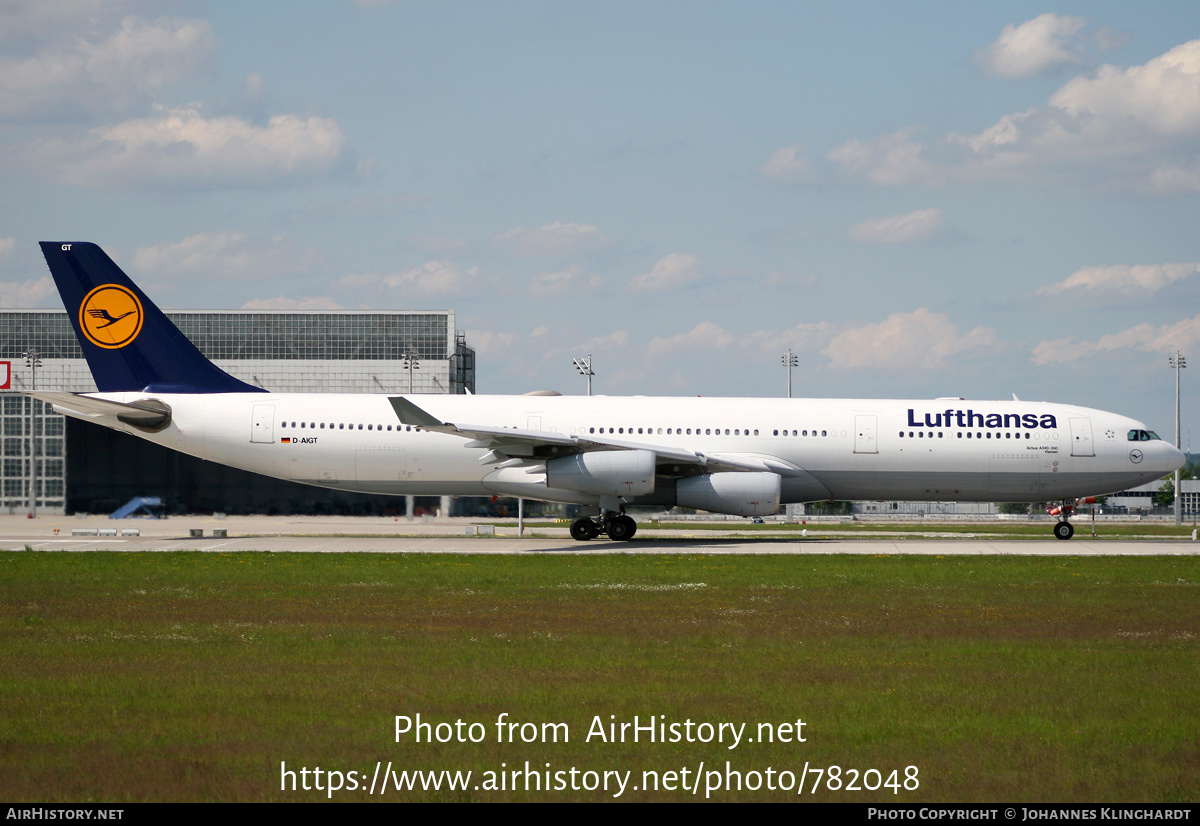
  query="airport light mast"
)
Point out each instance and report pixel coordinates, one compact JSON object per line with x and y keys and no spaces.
{"x":1177,"y":362}
{"x":33,"y":361}
{"x":410,"y":364}
{"x":790,"y":360}
{"x":584,"y":366}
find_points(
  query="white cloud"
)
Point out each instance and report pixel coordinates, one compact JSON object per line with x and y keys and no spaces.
{"x":226,"y":255}
{"x":117,"y":70}
{"x":181,"y":147}
{"x":1036,"y":47}
{"x":704,"y":336}
{"x":548,"y":284}
{"x":900,"y":229}
{"x":708,"y":336}
{"x":1136,"y":128}
{"x":282,"y":302}
{"x":1061,"y":350}
{"x":431,"y":278}
{"x":489,"y":342}
{"x":551,"y":239}
{"x":1004,"y":132}
{"x":617,"y":338}
{"x":76,"y":64}
{"x":1173,"y":179}
{"x":1123,"y":281}
{"x":1147,"y":338}
{"x":671,"y":272}
{"x":800,"y":339}
{"x":920,"y":340}
{"x":888,"y":159}
{"x":31,"y":293}
{"x":787,"y":164}
{"x":25,"y":21}
{"x":7,"y":245}
{"x":1162,"y":97}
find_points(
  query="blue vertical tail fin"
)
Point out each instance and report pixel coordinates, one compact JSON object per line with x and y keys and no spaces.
{"x":129,"y":344}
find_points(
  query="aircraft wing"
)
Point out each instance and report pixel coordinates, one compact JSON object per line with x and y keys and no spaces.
{"x":504,"y":443}
{"x":147,"y":414}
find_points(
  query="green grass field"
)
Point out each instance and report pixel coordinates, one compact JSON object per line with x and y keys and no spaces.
{"x":189,"y":676}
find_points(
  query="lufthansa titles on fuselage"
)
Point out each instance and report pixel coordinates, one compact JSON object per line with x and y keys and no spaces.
{"x":970,"y":418}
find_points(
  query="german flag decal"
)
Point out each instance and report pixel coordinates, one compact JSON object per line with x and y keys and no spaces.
{"x":285,"y":440}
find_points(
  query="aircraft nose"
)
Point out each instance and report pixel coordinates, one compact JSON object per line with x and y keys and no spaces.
{"x":1172,"y":458}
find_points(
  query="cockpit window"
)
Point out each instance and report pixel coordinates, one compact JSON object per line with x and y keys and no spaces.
{"x":1143,"y":436}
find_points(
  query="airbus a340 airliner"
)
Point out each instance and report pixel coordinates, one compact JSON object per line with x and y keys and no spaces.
{"x":726,"y":455}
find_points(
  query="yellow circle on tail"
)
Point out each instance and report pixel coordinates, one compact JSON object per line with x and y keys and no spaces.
{"x":110,"y":316}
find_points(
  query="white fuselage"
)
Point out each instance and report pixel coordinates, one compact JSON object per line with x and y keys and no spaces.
{"x":848,"y":448}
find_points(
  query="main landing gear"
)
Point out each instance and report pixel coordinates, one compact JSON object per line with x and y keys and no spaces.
{"x":616,"y":525}
{"x":1064,"y":529}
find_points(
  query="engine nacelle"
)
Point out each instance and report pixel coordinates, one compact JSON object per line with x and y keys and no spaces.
{"x":622,"y":473}
{"x":744,"y":494}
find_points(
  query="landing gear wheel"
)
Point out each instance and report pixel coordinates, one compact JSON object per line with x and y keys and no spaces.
{"x":583,"y":529}
{"x":1064,"y":530}
{"x":622,"y":528}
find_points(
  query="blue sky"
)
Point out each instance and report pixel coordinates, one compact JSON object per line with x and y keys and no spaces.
{"x":919,"y":199}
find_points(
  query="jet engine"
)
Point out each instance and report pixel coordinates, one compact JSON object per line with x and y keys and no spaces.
{"x":622,"y":473}
{"x":744,"y":494}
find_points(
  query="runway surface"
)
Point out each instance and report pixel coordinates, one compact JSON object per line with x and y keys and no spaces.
{"x":385,"y":535}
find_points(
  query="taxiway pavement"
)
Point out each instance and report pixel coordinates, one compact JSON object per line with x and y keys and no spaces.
{"x":388,"y":535}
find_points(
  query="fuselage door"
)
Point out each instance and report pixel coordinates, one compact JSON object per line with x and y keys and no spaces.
{"x":262,"y":429}
{"x":1081,"y":437}
{"x":864,"y":434}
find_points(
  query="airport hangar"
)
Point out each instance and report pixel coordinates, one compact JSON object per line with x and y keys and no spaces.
{"x":82,"y":468}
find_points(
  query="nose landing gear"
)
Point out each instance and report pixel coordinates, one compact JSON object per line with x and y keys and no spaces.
{"x":1064,"y":529}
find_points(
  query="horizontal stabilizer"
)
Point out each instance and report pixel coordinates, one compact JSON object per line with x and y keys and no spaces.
{"x":150,"y":414}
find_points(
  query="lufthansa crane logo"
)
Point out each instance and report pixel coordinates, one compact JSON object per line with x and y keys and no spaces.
{"x":110,"y":316}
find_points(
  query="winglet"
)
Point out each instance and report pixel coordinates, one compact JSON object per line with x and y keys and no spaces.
{"x":409,"y":413}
